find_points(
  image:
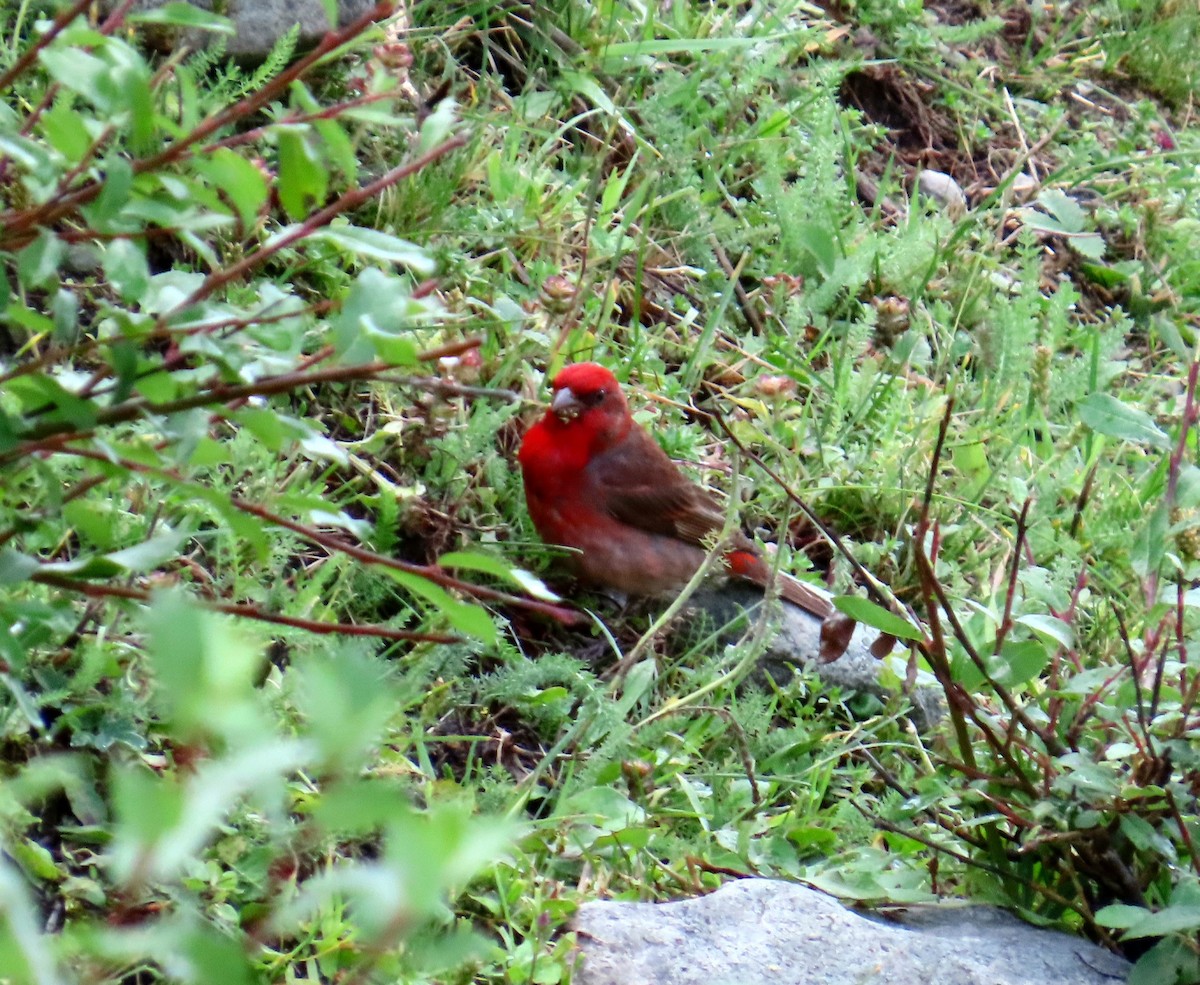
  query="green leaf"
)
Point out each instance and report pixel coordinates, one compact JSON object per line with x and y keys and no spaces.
{"x":27,"y":154}
{"x":94,"y":522}
{"x":26,"y":953}
{"x":1168,"y":961}
{"x":360,"y":805}
{"x":38,"y":263}
{"x":149,"y":554}
{"x":1105,"y":414}
{"x":378,"y":246}
{"x":971,"y":457}
{"x":37,"y":323}
{"x":146,"y":805}
{"x":1187,"y":491}
{"x":163,"y":824}
{"x":24,"y":700}
{"x":1050,"y":626}
{"x":38,"y":389}
{"x":1020,"y":662}
{"x":74,"y":69}
{"x":15,"y":566}
{"x":347,"y":703}
{"x":240,"y":181}
{"x":1105,"y":276}
{"x":603,"y":806}
{"x":303,"y":181}
{"x":865,"y":611}
{"x":205,"y":672}
{"x":126,"y":268}
{"x":375,"y":319}
{"x":114,"y":195}
{"x":217,"y":957}
{"x":498,"y":567}
{"x":338,"y":147}
{"x":1090,"y":245}
{"x":818,"y":240}
{"x":66,"y":130}
{"x":64,"y":306}
{"x":1064,"y":208}
{"x":264,"y":424}
{"x":128,"y":87}
{"x":179,"y":14}
{"x":141,"y":557}
{"x":1169,"y":920}
{"x":108,"y":729}
{"x":462,"y":616}
{"x":438,"y":124}
{"x":1149,"y":542}
{"x":35,"y":859}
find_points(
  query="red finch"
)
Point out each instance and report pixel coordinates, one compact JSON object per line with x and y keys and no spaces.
{"x":595,"y":481}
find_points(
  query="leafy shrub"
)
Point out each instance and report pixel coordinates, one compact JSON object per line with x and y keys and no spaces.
{"x":181,"y":273}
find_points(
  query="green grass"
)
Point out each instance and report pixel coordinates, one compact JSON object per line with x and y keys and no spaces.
{"x":682,"y":194}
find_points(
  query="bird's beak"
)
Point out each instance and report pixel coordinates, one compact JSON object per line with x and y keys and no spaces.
{"x":565,"y":405}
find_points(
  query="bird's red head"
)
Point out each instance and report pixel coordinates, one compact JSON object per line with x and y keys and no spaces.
{"x":586,"y":390}
{"x":587,"y":414}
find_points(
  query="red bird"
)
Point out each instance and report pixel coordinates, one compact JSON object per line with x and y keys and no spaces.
{"x":595,"y":481}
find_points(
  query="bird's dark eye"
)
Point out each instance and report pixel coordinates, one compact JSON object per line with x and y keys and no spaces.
{"x":592,"y":398}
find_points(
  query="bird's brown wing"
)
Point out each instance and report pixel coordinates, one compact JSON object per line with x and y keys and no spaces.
{"x":637,"y":483}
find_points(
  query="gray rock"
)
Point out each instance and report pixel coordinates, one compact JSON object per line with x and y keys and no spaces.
{"x":795,"y":642}
{"x":944,"y":190}
{"x":258,"y":24}
{"x":767,"y":932}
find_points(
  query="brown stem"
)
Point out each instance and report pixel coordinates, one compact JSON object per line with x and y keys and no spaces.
{"x":344,"y":203}
{"x":30,"y":54}
{"x":333,"y":544}
{"x":107,"y":591}
{"x":1014,"y":571}
{"x":222,"y":393}
{"x":17,"y":223}
{"x":217,"y":393}
{"x":328,"y":113}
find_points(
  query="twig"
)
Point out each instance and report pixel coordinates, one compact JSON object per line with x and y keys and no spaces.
{"x":748,"y":310}
{"x":108,"y":591}
{"x":218,"y":393}
{"x":877,"y":589}
{"x":429,"y":572}
{"x":17,"y":222}
{"x":30,"y":55}
{"x":444,"y":388}
{"x":346,"y":202}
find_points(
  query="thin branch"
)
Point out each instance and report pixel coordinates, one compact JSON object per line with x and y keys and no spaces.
{"x":877,"y":589}
{"x":430,"y":572}
{"x":931,"y":480}
{"x":346,"y":202}
{"x":30,"y":55}
{"x":221,"y":393}
{"x":218,"y":393}
{"x":17,"y":222}
{"x":296,"y":119}
{"x":97,"y":590}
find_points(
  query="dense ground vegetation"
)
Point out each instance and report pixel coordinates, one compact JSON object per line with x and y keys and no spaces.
{"x":283,"y":695}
